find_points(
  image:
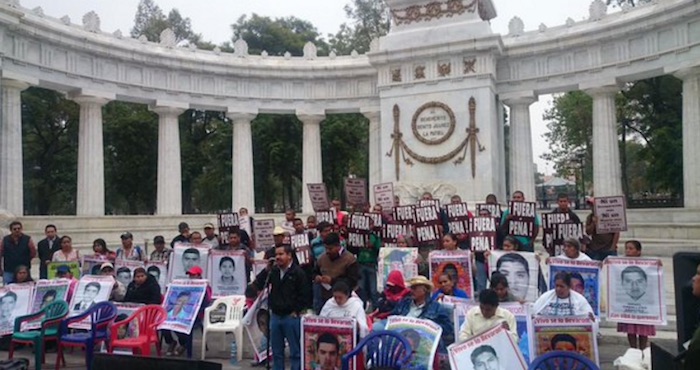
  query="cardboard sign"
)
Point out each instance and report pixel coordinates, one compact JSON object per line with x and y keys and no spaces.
{"x":263,"y":234}
{"x":549,"y":224}
{"x":635,"y":291}
{"x":482,"y":233}
{"x":611,"y":213}
{"x":325,"y":341}
{"x":565,"y":334}
{"x":424,"y":336}
{"x":457,"y":218}
{"x":384,"y":196}
{"x":359,"y":228}
{"x":318,"y":194}
{"x":330,"y":216}
{"x":522,"y":222}
{"x":427,"y":224}
{"x":585,"y":278}
{"x":563,"y":231}
{"x":493,"y":209}
{"x":392,"y":231}
{"x":405,"y":214}
{"x":182,"y":303}
{"x":356,"y":192}
{"x":457,"y":264}
{"x":228,"y":223}
{"x":492,"y":349}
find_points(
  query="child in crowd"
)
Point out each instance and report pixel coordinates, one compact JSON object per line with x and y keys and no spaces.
{"x":637,"y":334}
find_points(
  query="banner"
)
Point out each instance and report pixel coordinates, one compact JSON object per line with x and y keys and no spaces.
{"x":256,"y":323}
{"x":45,"y":292}
{"x":356,"y":192}
{"x":457,"y":264}
{"x":424,"y":336}
{"x":182,"y":302}
{"x":521,"y":269}
{"x":184,"y":257}
{"x":427,"y":225}
{"x":493,"y":209}
{"x":585,"y":278}
{"x":401,"y":259}
{"x":391,"y":232}
{"x":228,"y":223}
{"x":91,"y":266}
{"x":15,"y":301}
{"x":158,"y":270}
{"x":482,"y":233}
{"x":522,"y":219}
{"x":384,"y":196}
{"x":263,"y":230}
{"x":324,"y":341}
{"x":492,"y":349}
{"x":318,"y":194}
{"x":73,"y":266}
{"x":457,"y":218}
{"x":405,"y":215}
{"x":574,"y":334}
{"x":125,"y":270}
{"x":359,"y":228}
{"x":635,"y":293}
{"x":91,"y":289}
{"x":611,"y":213}
{"x":227,"y":272}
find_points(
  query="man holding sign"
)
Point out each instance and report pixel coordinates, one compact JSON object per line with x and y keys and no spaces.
{"x":521,"y":221}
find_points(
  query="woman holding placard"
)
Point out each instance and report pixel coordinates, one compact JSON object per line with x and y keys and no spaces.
{"x":562,"y":301}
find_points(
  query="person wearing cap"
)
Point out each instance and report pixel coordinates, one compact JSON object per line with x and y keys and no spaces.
{"x":63,"y":272}
{"x":128,"y":250}
{"x":210,"y":237}
{"x":160,"y":254}
{"x":334,"y":265}
{"x":118,"y":289}
{"x":184,"y":237}
{"x":602,"y":245}
{"x":572,"y":251}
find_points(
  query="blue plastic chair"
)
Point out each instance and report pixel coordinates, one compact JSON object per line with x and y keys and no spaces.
{"x":385,"y":349}
{"x":562,"y":360}
{"x":102,"y":316}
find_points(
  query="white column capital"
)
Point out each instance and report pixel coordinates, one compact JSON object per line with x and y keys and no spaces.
{"x":519,"y":101}
{"x":687,"y":73}
{"x":15,"y":84}
{"x":310,"y":118}
{"x":241,"y":117}
{"x":164,"y":111}
{"x":373,"y":115}
{"x":85,"y":100}
{"x":608,"y":90}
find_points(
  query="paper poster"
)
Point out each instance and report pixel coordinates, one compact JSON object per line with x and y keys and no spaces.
{"x":635,"y":293}
{"x":430,"y":203}
{"x":356,"y":192}
{"x":493,"y":349}
{"x":401,"y":259}
{"x":521,"y":269}
{"x":459,"y":311}
{"x":427,"y":225}
{"x":330,"y":216}
{"x":457,"y":217}
{"x":549,"y":223}
{"x":482,"y":233}
{"x":574,"y":334}
{"x":186,"y":256}
{"x":566,"y":230}
{"x":263,"y":234}
{"x":585,"y":278}
{"x":45,"y":292}
{"x":228,"y":223}
{"x":522,"y":221}
{"x":227,"y":272}
{"x":318,"y":194}
{"x":73,"y":266}
{"x":15,"y":301}
{"x":182,"y":303}
{"x":324,"y":341}
{"x":158,"y":270}
{"x":302,"y":248}
{"x":259,"y":266}
{"x":359,"y":227}
{"x":384,"y":196}
{"x":405,"y":214}
{"x":392,"y":231}
{"x":457,"y":264}
{"x":245,"y":224}
{"x":494,"y":210}
{"x":91,"y":266}
{"x":125,"y":270}
{"x":91,"y":289}
{"x":424,"y":336}
{"x":611,"y":213}
{"x":377,"y":221}
{"x":125,"y":311}
{"x":256,"y":322}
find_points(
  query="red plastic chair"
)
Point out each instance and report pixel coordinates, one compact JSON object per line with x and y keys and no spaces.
{"x":149,"y":318}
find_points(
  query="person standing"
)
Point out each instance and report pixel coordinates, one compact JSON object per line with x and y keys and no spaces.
{"x":602,"y":245}
{"x":160,"y":254}
{"x":210,"y":236}
{"x":367,"y":259}
{"x":16,"y":249}
{"x":184,"y":237}
{"x":46,"y":248}
{"x":335,"y":265}
{"x":526,"y":243}
{"x":288,"y":296}
{"x":563,"y":207}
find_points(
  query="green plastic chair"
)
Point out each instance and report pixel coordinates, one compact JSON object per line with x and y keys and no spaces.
{"x":51,"y":315}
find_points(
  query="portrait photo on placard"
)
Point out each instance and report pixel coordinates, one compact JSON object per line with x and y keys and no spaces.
{"x":256,"y":324}
{"x":585,"y":280}
{"x":15,"y":301}
{"x":90,"y":291}
{"x":227,"y":272}
{"x":493,"y":349}
{"x":158,"y":270}
{"x":184,"y":257}
{"x":45,"y":294}
{"x":635,"y":290}
{"x":182,"y":303}
{"x":521,"y":269}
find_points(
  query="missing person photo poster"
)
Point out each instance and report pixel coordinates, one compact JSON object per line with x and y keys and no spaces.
{"x":45,"y":292}
{"x":574,"y":334}
{"x":124,"y":270}
{"x":91,"y":289}
{"x":125,"y":311}
{"x":91,"y":265}
{"x":635,"y":292}
{"x":460,"y":307}
{"x":401,"y":259}
{"x":186,"y":256}
{"x":256,"y":324}
{"x":324,"y":341}
{"x":585,"y":278}
{"x":521,"y":219}
{"x":424,"y":336}
{"x":182,"y":303}
{"x":493,"y":349}
{"x":74,"y":268}
{"x":457,"y":264}
{"x":158,"y":270}
{"x":521,"y":269}
{"x":15,"y":301}
{"x":227,"y":272}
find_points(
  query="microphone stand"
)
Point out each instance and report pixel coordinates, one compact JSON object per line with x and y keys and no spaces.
{"x":269,"y":310}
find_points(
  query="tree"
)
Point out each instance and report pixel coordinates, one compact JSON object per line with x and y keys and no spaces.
{"x":150,"y":21}
{"x":370,"y":19}
{"x":345,"y":147}
{"x":630,"y":2}
{"x":277,"y":36}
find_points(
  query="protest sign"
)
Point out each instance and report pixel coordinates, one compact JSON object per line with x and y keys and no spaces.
{"x":494,"y":210}
{"x":45,"y":292}
{"x":460,"y":307}
{"x":635,"y":291}
{"x":302,"y":248}
{"x":492,"y":349}
{"x":186,"y":256}
{"x":522,"y":219}
{"x":125,"y":311}
{"x":611,"y":213}
{"x":567,"y":230}
{"x":405,"y":214}
{"x":384,"y":196}
{"x":401,"y":259}
{"x":457,"y":264}
{"x":549,"y":224}
{"x":585,"y":278}
{"x":124,"y":270}
{"x":330,"y":216}
{"x":74,"y":268}
{"x":325,"y":341}
{"x":482,"y":233}
{"x":521,"y":269}
{"x":377,"y":221}
{"x":318,"y":195}
{"x":259,"y":266}
{"x":15,"y":301}
{"x":159,"y":270}
{"x":263,"y":230}
{"x":359,"y":228}
{"x":424,"y":336}
{"x":427,"y":224}
{"x":356,"y":192}
{"x":228,"y":223}
{"x":91,"y":265}
{"x":574,"y":334}
{"x":91,"y":289}
{"x":457,"y":218}
{"x":256,"y":323}
{"x":182,"y":303}
{"x":392,"y":231}
{"x":245,"y":224}
{"x":227,"y":272}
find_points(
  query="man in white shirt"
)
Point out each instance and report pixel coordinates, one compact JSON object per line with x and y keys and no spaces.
{"x":210,"y":237}
{"x":486,"y":316}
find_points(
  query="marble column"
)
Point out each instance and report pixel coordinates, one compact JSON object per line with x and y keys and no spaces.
{"x":311,"y":156}
{"x":169,"y":188}
{"x":91,"y":178}
{"x":375,"y":158}
{"x":607,"y":173}
{"x":243,"y":186}
{"x":11,"y":162}
{"x":691,"y":137}
{"x":522,"y":167}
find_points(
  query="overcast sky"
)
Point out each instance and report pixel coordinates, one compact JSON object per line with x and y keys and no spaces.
{"x":212,"y":18}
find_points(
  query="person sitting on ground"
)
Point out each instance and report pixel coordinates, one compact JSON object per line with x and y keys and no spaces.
{"x":499,"y":283}
{"x":486,"y":316}
{"x":63,"y":272}
{"x":22,"y":275}
{"x":118,"y":289}
{"x":447,"y":287}
{"x":562,"y":300}
{"x":99,"y":247}
{"x":572,"y":251}
{"x":344,"y":304}
{"x":394,"y":292}
{"x":143,"y":289}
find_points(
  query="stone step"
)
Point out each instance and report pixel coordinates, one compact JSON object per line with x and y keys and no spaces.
{"x":610,"y":336}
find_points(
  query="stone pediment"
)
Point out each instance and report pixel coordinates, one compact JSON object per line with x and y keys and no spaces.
{"x":418,"y":11}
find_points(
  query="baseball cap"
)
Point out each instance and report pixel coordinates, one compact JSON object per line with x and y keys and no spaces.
{"x":63,"y":269}
{"x":107,"y":265}
{"x":209,"y":225}
{"x":127,"y":235}
{"x":195,"y":271}
{"x":159,"y":240}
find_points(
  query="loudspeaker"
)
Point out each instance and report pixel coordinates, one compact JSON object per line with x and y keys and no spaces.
{"x":663,"y":358}
{"x":685,"y":265}
{"x":104,"y":361}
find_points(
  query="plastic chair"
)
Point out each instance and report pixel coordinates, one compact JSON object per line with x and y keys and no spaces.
{"x":51,"y":320}
{"x":562,"y":360}
{"x":234,"y":306}
{"x":149,"y":318}
{"x":101,"y":316}
{"x":385,"y":349}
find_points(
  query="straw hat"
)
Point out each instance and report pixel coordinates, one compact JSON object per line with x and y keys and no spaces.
{"x":420,"y":280}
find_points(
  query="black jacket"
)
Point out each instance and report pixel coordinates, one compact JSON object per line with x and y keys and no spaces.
{"x":45,"y":254}
{"x":147,"y":293}
{"x":289,"y":294}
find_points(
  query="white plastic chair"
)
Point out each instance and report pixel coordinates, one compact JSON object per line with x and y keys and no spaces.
{"x":232,"y":322}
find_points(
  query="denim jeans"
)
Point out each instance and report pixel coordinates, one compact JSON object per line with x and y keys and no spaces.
{"x":480,"y":277}
{"x":8,"y":277}
{"x":288,"y":327}
{"x":368,"y":284}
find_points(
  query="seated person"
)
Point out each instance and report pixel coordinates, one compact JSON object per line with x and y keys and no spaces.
{"x":345,"y":304}
{"x":394,"y":292}
{"x":144,"y":289}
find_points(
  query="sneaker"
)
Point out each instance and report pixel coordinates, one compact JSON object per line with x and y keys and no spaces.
{"x":170,"y":350}
{"x":179,"y":350}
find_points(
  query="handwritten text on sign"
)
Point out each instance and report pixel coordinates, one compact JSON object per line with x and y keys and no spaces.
{"x":611,"y":213}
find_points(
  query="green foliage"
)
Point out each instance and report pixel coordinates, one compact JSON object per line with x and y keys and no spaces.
{"x":370,"y":19}
{"x":630,"y":2}
{"x":277,"y":36}
{"x":345,"y":148}
{"x":151,"y":21}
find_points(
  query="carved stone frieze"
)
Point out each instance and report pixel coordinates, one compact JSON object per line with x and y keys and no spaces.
{"x":433,"y":10}
{"x":469,"y":66}
{"x":444,"y":69}
{"x":396,"y":74}
{"x":419,"y":72}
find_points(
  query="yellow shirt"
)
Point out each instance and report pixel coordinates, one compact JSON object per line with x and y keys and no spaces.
{"x":476,"y":323}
